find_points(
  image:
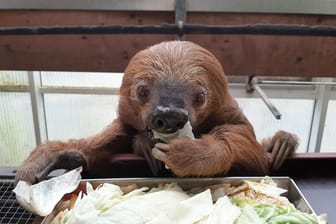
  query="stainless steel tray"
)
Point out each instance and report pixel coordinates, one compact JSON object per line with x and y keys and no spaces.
{"x":293,"y":193}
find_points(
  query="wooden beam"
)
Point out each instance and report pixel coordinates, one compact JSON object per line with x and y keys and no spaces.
{"x":260,"y":55}
{"x":101,"y":53}
{"x":269,"y":55}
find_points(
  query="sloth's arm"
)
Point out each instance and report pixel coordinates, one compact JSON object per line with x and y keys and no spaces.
{"x":92,"y":153}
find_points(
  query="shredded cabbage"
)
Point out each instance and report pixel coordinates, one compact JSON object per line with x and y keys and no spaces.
{"x":269,"y":212}
{"x":253,"y":203}
{"x":107,"y":204}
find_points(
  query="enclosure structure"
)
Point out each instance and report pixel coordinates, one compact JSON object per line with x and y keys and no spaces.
{"x":257,"y":42}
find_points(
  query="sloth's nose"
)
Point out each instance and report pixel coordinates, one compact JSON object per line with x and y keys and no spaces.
{"x":168,"y":119}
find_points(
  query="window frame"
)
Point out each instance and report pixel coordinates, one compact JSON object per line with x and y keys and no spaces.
{"x":321,"y":94}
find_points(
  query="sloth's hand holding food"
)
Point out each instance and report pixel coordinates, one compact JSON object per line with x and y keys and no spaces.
{"x":182,"y":156}
{"x":161,"y":150}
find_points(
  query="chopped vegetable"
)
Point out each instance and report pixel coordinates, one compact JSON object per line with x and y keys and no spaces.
{"x":41,"y":198}
{"x":186,"y":131}
{"x":249,"y":216}
{"x":249,"y":203}
{"x":223,"y":212}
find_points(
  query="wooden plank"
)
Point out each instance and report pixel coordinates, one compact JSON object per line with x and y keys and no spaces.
{"x":68,"y":17}
{"x":269,"y":55}
{"x":253,"y":18}
{"x":101,"y":53}
{"x":240,"y":55}
{"x":272,"y":55}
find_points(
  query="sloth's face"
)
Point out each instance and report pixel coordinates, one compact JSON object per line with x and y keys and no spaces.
{"x":169,"y":84}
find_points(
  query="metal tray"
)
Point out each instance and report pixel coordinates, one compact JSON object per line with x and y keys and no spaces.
{"x":293,"y":193}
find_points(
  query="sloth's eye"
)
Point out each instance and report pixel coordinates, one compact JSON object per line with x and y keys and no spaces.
{"x":143,"y":91}
{"x":199,"y":99}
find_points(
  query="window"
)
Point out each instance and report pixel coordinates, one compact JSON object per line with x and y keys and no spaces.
{"x":296,"y":118}
{"x":36,"y":106}
{"x":17,"y":128}
{"x":329,"y":133}
{"x":77,"y":116}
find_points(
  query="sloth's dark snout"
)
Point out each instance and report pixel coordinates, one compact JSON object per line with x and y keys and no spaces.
{"x":168,"y":119}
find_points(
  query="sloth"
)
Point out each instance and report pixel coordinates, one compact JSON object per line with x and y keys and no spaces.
{"x":166,"y":87}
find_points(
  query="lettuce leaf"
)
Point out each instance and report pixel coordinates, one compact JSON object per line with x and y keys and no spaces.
{"x":249,"y":216}
{"x":274,"y":214}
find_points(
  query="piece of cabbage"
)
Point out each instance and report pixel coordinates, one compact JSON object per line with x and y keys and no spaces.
{"x":185,"y":132}
{"x":274,"y":214}
{"x":188,"y":211}
{"x":268,"y":189}
{"x":142,"y":209}
{"x":265,"y":199}
{"x":224,"y":212}
{"x":41,"y":198}
{"x":107,"y":204}
{"x":168,"y":204}
{"x":249,"y":216}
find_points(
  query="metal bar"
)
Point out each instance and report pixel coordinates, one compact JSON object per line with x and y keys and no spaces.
{"x":262,"y":29}
{"x":267,"y":101}
{"x":78,"y":90}
{"x":180,"y":16}
{"x":251,"y":6}
{"x":237,"y":89}
{"x":294,"y":82}
{"x":250,"y":29}
{"x":275,"y":91}
{"x":319,"y":117}
{"x":37,"y":107}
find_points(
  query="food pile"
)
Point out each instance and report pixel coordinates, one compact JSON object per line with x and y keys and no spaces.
{"x":250,"y":203}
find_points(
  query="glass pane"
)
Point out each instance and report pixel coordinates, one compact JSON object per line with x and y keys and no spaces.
{"x":296,"y":118}
{"x":329,"y":134}
{"x":17,"y":128}
{"x":13,"y":78}
{"x":75,"y":116}
{"x":84,"y":79}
